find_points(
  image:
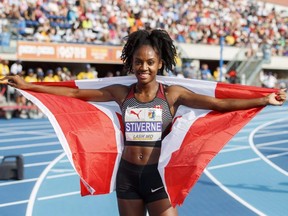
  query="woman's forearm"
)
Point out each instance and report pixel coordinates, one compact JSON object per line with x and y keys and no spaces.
{"x":241,"y":104}
{"x":18,"y":82}
{"x":56,"y":90}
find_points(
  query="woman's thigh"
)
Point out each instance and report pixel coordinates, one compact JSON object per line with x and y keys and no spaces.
{"x":161,"y":207}
{"x":128,"y":207}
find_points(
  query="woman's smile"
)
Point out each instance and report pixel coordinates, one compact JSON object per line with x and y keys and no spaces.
{"x":143,"y":75}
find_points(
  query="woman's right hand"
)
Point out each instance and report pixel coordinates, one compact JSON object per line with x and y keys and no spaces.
{"x":15,"y":81}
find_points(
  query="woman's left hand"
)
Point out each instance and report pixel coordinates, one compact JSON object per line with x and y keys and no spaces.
{"x":277,"y":98}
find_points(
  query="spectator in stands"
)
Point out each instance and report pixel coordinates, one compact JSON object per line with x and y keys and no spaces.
{"x":179,"y":74}
{"x":220,"y":74}
{"x":58,"y":74}
{"x":39,"y":74}
{"x":87,"y":73}
{"x":232,"y":76}
{"x":268,"y":80}
{"x":53,"y":35}
{"x":16,"y":67}
{"x":49,"y":77}
{"x":42,"y":35}
{"x":31,"y":76}
{"x":22,"y":28}
{"x":72,"y":15}
{"x":216,"y":74}
{"x":109,"y":74}
{"x":205,"y":72}
{"x":117,"y":73}
{"x":13,"y":12}
{"x":4,"y":67}
{"x":67,"y":74}
{"x":190,"y":70}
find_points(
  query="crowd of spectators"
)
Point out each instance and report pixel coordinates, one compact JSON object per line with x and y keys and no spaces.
{"x":242,"y":23}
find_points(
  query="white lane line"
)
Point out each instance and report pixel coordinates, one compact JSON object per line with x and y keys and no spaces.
{"x":37,"y":164}
{"x":61,"y":170}
{"x":233,"y":164}
{"x":245,"y":161}
{"x":29,"y":145}
{"x":277,"y":126}
{"x":28,"y":125}
{"x":233,"y":195}
{"x":62,"y":175}
{"x":38,"y":132}
{"x":69,"y":172}
{"x":254,"y":148}
{"x":273,"y":148}
{"x":59,"y":195}
{"x":18,"y":182}
{"x":271,"y":134}
{"x":27,"y":138}
{"x":40,"y":199}
{"x":30,"y":206}
{"x":24,"y":124}
{"x":240,"y":138}
{"x":35,"y":179}
{"x":40,"y":153}
{"x":262,"y":145}
{"x":13,"y":203}
{"x":234,"y":148}
{"x":277,"y":155}
{"x":278,"y":142}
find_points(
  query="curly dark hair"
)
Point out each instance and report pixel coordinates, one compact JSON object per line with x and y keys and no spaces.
{"x":158,"y":39}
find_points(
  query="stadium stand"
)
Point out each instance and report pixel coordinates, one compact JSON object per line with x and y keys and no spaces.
{"x":241,"y":23}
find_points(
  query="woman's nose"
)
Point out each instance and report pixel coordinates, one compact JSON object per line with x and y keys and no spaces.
{"x":144,"y":66}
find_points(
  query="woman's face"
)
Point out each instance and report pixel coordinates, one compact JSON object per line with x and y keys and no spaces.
{"x":146,"y":63}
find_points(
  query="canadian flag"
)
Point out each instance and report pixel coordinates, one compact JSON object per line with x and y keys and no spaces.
{"x":92,"y":133}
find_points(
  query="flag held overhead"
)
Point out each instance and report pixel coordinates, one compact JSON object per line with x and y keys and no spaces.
{"x":91,"y":133}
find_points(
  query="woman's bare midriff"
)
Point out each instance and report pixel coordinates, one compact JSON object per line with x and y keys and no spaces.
{"x":141,"y":155}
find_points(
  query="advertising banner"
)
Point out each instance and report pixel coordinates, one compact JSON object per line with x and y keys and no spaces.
{"x":78,"y":53}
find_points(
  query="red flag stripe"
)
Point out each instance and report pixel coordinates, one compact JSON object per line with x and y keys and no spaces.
{"x":90,"y":152}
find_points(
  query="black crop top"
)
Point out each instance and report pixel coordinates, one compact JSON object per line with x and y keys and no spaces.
{"x":146,"y":124}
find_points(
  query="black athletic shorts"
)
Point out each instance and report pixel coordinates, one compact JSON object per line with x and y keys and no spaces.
{"x":139,"y":182}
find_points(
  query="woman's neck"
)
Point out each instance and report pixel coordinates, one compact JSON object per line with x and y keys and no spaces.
{"x":146,"y":93}
{"x":147,"y":87}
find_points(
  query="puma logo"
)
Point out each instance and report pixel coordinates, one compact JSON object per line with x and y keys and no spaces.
{"x":134,"y":113}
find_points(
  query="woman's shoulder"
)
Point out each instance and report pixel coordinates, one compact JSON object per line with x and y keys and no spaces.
{"x":119,"y":89}
{"x":172,"y":87}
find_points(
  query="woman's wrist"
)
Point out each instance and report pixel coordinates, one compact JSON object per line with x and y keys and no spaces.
{"x":266,"y":100}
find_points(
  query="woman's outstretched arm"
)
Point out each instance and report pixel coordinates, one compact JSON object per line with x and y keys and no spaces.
{"x":183,"y":96}
{"x":109,"y":93}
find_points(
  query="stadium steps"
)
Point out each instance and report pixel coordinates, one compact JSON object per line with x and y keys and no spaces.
{"x":248,"y":71}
